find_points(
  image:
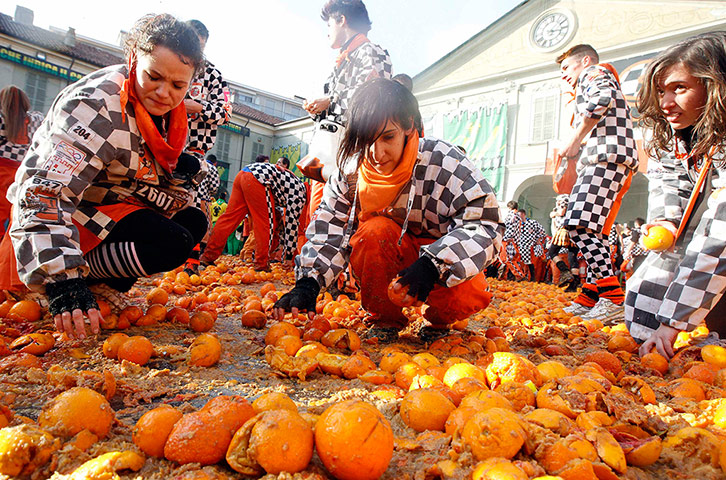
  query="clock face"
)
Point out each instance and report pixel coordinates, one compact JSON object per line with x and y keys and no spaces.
{"x":551,"y":30}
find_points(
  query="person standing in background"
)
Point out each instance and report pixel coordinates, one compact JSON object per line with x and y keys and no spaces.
{"x":17,"y":126}
{"x":359,"y":60}
{"x":208,"y":107}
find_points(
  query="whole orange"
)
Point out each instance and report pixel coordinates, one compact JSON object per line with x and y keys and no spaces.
{"x":201,"y":321}
{"x":136,"y":349}
{"x":231,"y":411}
{"x":354,"y":440}
{"x":658,"y":239}
{"x":197,"y":438}
{"x":78,"y":409}
{"x":112,"y":344}
{"x":205,"y":350}
{"x":153,"y":428}
{"x":25,"y":310}
{"x":493,"y":433}
{"x":425,"y":409}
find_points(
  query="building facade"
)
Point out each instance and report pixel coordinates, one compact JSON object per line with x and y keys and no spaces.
{"x":500,"y":96}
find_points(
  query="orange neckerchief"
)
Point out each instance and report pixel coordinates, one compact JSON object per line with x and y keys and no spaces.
{"x":167,"y":154}
{"x":356,"y":42}
{"x":377,"y":191}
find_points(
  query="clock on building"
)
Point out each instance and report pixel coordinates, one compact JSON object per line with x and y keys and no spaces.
{"x":552,"y":29}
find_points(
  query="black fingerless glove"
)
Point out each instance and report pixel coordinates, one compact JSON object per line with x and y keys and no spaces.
{"x":302,"y":296}
{"x":68,"y":295}
{"x":187,"y":166}
{"x":420,"y":277}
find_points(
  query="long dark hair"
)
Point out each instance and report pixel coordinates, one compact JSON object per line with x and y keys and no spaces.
{"x":14,"y":106}
{"x":373,"y":104}
{"x":704,"y":56}
{"x":165,"y":31}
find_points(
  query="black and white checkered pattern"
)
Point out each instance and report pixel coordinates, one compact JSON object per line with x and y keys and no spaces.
{"x":531,"y":240}
{"x":512,"y":233}
{"x":596,"y":250}
{"x":15,"y":151}
{"x":447,"y":198}
{"x":209,"y":89}
{"x":366,"y":62}
{"x":208,"y":187}
{"x":288,"y":192}
{"x":85,"y":154}
{"x":593,"y":195}
{"x":679,"y":289}
{"x":598,"y":96}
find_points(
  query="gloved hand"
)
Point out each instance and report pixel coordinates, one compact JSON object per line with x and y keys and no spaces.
{"x":562,"y":238}
{"x":301,"y":298}
{"x":187,"y":167}
{"x":69,"y":301}
{"x":420,"y":276}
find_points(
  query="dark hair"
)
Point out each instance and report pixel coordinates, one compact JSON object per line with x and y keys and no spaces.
{"x":164,"y":30}
{"x":579,"y":51}
{"x":704,"y":56}
{"x":639,"y":221}
{"x":521,"y":210}
{"x":212,"y":158}
{"x":404,"y":80}
{"x":373,"y":104}
{"x":354,"y":11}
{"x":200,"y":28}
{"x":512,"y":204}
{"x":14,"y":106}
{"x":285,"y":161}
{"x":261,"y":158}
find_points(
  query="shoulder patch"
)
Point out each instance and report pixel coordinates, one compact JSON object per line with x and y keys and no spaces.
{"x":65,"y":159}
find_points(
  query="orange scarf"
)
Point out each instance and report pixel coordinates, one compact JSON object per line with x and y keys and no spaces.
{"x":356,"y":42}
{"x":167,"y":154}
{"x":377,"y":191}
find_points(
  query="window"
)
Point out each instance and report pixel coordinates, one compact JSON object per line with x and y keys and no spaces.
{"x":223,"y":141}
{"x":544,"y":117}
{"x":36,"y":86}
{"x":257,"y":149}
{"x":272,"y":107}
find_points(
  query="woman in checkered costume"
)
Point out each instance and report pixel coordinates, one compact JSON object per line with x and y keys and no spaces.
{"x":415,"y":208}
{"x":682,"y":102}
{"x":17,"y":126}
{"x":102,"y":196}
{"x":605,"y":167}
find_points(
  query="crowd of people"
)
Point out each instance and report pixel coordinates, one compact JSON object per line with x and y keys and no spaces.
{"x":118,"y":183}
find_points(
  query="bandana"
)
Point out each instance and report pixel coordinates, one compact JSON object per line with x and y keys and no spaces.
{"x":377,"y":191}
{"x":165,"y":153}
{"x":345,"y":51}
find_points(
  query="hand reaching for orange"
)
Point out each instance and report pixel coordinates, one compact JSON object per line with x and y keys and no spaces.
{"x":398,"y":294}
{"x":659,"y":236}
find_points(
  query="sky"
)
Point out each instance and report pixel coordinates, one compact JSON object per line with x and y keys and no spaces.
{"x":281,"y":46}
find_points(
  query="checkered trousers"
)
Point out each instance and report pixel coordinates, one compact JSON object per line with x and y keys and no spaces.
{"x":593,"y":195}
{"x":595,"y":247}
{"x":209,"y":89}
{"x":531,"y":240}
{"x":366,"y":62}
{"x":447,"y":199}
{"x":598,"y":96}
{"x":85,"y":154}
{"x":679,"y":289}
{"x":512,"y":232}
{"x":287,"y":191}
{"x":16,"y":151}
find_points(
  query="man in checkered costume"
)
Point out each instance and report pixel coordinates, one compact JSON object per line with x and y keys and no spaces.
{"x":605,"y":166}
{"x":14,"y":151}
{"x":257,"y":190}
{"x":102,"y":197}
{"x":359,"y":60}
{"x":531,"y":242}
{"x":511,"y":261}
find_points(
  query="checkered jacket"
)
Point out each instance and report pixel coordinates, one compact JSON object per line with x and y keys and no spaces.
{"x":16,"y":151}
{"x":531,"y":240}
{"x":209,"y":89}
{"x":208,"y":187}
{"x":512,"y":232}
{"x":287,"y":191}
{"x":598,"y":96}
{"x":447,"y":198}
{"x":84,"y":154}
{"x":366,"y":62}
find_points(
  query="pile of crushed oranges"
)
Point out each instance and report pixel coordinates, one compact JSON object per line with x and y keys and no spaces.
{"x":194,"y":380}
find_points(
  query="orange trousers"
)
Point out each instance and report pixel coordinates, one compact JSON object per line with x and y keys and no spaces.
{"x":377,"y":258}
{"x":316,"y":196}
{"x":7,"y":177}
{"x":248,"y":196}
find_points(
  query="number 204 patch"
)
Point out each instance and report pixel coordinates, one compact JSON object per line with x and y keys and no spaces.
{"x":83,"y":133}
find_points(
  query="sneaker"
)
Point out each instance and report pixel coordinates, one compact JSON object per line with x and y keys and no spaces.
{"x":604,"y":309}
{"x":577,"y":310}
{"x":383,"y":334}
{"x":115,"y":299}
{"x":430,"y":334}
{"x":565,"y":277}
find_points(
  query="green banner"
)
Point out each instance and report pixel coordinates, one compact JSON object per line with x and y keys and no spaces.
{"x":483,"y":134}
{"x":7,"y":53}
{"x":292,"y":152}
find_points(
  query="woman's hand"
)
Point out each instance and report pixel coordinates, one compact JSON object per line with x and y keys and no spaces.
{"x":70,"y":303}
{"x":662,"y":340}
{"x":317,"y":106}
